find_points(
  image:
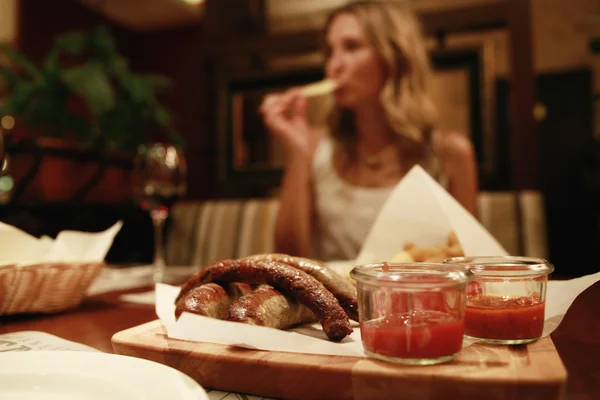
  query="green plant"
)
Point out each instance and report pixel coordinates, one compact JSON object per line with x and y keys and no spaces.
{"x":84,"y":89}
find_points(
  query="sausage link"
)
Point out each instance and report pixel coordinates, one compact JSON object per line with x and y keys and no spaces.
{"x":343,"y":290}
{"x":193,"y":281}
{"x":291,"y":281}
{"x":265,"y":306}
{"x":211,"y":299}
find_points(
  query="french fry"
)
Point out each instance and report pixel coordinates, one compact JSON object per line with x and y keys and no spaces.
{"x":452,"y":239}
{"x":408,"y":246}
{"x":455,"y":250}
{"x":430,"y":253}
{"x":422,"y":253}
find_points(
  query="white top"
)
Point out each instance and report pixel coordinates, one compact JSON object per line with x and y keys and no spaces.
{"x":345,"y":213}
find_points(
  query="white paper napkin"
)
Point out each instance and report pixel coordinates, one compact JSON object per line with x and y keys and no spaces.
{"x":309,"y":338}
{"x":421,"y":211}
{"x":17,"y":246}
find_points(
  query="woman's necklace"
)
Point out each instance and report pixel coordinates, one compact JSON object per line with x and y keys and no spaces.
{"x":378,"y":156}
{"x":376,"y":160}
{"x":373,"y":161}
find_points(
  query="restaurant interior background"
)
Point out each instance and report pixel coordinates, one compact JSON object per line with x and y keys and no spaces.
{"x":518,"y":76}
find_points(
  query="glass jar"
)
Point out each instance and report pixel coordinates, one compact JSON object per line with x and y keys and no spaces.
{"x":506,"y":301}
{"x":412,"y":313}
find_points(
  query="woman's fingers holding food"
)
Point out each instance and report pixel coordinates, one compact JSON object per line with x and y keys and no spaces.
{"x":276,"y":122}
{"x":300,"y":109}
{"x":289,"y":97}
{"x":280,"y":102}
{"x":269,"y":101}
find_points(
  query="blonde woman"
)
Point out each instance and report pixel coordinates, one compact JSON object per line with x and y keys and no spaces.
{"x":383,"y":125}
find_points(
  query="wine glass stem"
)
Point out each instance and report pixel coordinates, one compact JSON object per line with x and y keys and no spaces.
{"x":158,"y":220}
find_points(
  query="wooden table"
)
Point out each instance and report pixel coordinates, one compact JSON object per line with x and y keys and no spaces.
{"x":99,"y":317}
{"x":92,"y":324}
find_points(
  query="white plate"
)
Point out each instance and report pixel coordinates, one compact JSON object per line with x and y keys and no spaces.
{"x":92,"y":376}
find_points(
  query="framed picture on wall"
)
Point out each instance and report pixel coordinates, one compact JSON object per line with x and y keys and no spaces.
{"x":250,"y":155}
{"x":463,"y":90}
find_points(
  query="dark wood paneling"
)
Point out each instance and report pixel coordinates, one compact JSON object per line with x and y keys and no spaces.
{"x":568,"y":152}
{"x":525,"y":141}
{"x":480,"y":17}
{"x":41,"y":21}
{"x":569,"y":159}
{"x":489,"y":15}
{"x":235,"y":17}
{"x":177,"y":53}
{"x":284,"y":43}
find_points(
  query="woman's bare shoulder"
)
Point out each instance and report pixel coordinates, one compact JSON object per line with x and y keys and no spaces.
{"x":453,"y":144}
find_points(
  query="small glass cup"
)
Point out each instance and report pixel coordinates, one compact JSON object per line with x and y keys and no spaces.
{"x":412,"y":313}
{"x":506,"y":301}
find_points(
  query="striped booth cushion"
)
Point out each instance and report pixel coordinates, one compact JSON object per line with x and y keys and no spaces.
{"x":201,"y":232}
{"x":517,"y":222}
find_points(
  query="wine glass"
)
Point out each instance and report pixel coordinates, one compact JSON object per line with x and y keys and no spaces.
{"x":159,"y":180}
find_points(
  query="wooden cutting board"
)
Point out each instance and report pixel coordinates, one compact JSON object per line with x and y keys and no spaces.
{"x":480,"y":372}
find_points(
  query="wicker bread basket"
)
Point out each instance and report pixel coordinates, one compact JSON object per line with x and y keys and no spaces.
{"x":45,"y":287}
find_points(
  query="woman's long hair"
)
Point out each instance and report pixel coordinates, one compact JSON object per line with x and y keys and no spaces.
{"x":395,"y":33}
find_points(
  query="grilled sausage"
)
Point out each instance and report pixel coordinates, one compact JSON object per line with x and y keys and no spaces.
{"x":343,"y":290}
{"x":293,"y":282}
{"x":211,"y":300}
{"x":265,"y":306}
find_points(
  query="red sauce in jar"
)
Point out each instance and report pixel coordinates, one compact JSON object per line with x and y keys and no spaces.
{"x":474,"y":289}
{"x":417,"y":334}
{"x":504,"y":318}
{"x":402,"y":303}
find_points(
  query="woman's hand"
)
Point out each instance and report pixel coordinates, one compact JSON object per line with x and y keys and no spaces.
{"x":285,"y":117}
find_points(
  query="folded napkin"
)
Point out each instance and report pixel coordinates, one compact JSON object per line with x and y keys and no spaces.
{"x":17,"y":246}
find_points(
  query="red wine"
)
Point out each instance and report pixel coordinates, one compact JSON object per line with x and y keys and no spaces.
{"x":159,"y":195}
